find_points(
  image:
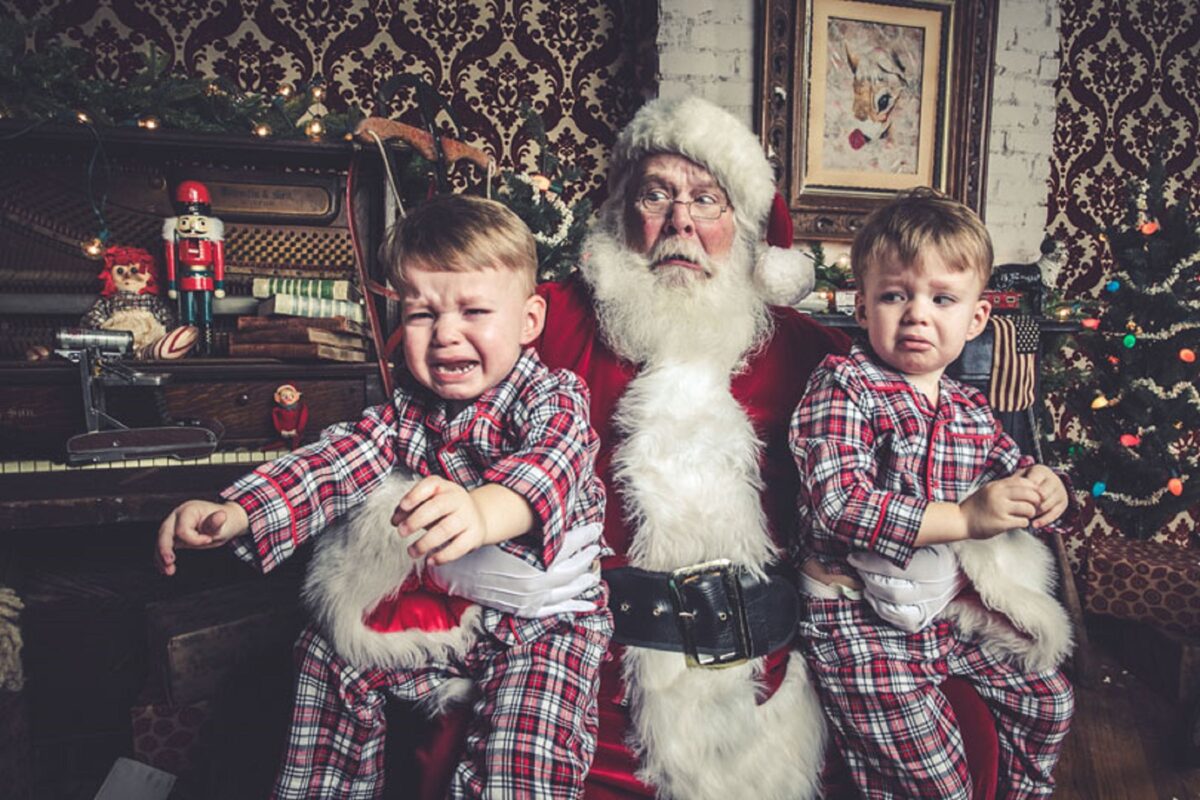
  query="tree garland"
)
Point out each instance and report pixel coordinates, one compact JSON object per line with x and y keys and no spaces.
{"x":566,"y":218}
{"x":45,"y":87}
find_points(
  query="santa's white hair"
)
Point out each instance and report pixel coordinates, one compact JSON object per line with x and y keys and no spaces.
{"x":714,"y":139}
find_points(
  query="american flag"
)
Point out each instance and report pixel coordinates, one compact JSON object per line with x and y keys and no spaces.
{"x":1014,"y":363}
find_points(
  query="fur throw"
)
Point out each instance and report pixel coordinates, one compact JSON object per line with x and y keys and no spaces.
{"x":357,"y":563}
{"x":1019,"y":619}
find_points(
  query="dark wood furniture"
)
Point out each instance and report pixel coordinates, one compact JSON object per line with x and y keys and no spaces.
{"x":288,"y":209}
{"x":76,"y":542}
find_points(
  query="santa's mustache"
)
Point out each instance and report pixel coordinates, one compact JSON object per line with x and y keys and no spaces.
{"x":681,"y":249}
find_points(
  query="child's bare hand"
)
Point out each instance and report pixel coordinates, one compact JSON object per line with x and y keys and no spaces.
{"x":197,"y":525}
{"x":1053,"y":493}
{"x":1001,"y":506}
{"x":451,"y":519}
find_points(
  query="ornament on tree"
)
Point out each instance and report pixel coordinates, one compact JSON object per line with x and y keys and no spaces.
{"x":1140,"y":350}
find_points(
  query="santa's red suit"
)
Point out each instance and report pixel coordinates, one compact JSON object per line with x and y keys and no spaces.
{"x":692,"y":418}
{"x":767,"y":390}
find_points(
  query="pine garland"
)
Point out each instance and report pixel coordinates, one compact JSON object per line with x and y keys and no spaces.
{"x":47,"y":87}
{"x":540,"y":201}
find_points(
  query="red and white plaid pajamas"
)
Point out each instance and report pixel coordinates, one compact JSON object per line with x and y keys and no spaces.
{"x":533,"y":734}
{"x":872,"y":453}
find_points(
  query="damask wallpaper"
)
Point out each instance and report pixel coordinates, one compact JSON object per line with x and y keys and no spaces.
{"x":584,"y":65}
{"x":1129,"y":78}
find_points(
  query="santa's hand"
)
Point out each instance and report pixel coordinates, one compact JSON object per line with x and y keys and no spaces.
{"x":910,"y":598}
{"x":496,"y":579}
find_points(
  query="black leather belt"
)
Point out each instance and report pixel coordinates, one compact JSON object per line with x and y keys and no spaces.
{"x":716,"y":614}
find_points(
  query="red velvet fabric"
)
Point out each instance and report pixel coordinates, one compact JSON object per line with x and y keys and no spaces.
{"x":420,"y":610}
{"x":612,"y":775}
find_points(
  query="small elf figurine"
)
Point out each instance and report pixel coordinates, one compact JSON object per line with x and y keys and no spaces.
{"x":195,"y":247}
{"x":290,"y":415}
{"x":129,"y":301}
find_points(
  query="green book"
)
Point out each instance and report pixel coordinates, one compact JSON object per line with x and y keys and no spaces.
{"x":324,"y":288}
{"x":294,"y":306}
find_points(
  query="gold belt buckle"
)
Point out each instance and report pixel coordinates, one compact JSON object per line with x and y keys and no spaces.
{"x":678,"y":581}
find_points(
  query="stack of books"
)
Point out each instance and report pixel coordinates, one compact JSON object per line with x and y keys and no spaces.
{"x":308,"y":297}
{"x":305,"y":319}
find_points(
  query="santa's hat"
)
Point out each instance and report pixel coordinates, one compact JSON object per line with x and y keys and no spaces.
{"x":715,"y":139}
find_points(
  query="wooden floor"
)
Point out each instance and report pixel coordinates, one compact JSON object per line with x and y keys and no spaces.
{"x":1128,"y":740}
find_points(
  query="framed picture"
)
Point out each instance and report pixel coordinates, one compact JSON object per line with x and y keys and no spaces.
{"x":861,"y":99}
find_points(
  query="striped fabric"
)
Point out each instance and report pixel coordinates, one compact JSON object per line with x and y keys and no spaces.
{"x":1014,"y":363}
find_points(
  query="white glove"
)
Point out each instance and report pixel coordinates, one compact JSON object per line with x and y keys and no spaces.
{"x":496,"y":579}
{"x":910,"y":598}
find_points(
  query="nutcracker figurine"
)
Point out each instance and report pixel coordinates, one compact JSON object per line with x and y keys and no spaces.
{"x":195,"y":245}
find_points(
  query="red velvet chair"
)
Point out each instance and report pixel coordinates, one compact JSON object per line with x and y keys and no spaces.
{"x":436,"y":755}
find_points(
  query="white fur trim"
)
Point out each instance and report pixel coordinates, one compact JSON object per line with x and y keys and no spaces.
{"x":216,"y":229}
{"x":1020,"y":620}
{"x":710,"y":136}
{"x":689,"y":470}
{"x":784,"y":276}
{"x":357,"y":563}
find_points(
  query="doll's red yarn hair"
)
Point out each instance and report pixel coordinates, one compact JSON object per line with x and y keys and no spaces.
{"x":128,"y":255}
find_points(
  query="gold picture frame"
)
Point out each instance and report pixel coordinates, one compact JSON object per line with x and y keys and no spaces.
{"x":861,"y":99}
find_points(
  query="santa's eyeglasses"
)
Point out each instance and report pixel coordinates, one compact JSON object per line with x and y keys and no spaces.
{"x":703,"y":206}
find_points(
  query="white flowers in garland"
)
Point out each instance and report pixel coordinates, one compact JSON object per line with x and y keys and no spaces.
{"x":1167,"y":333}
{"x":1164,"y":393}
{"x":542,"y":194}
{"x":1166,"y":286}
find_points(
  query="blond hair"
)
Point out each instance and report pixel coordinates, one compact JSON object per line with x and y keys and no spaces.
{"x":915,"y":222}
{"x":460,"y":233}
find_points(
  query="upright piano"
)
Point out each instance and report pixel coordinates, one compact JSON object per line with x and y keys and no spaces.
{"x":287,"y":207}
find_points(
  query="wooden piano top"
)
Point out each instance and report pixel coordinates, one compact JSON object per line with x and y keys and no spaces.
{"x":40,"y":407}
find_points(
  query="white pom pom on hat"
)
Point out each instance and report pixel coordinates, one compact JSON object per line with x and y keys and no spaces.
{"x":783,"y":275}
{"x":712,"y":137}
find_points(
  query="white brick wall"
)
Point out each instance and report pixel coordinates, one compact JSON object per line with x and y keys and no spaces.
{"x":707,"y":48}
{"x":1027,"y":59}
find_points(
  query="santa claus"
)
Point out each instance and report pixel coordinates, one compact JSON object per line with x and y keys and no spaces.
{"x":678,"y":322}
{"x":694,"y":375}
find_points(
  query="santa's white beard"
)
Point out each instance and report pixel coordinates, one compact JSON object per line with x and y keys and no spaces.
{"x":650,"y":314}
{"x":686,"y":464}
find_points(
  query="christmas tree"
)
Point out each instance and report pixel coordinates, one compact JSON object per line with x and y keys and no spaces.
{"x":538,"y":199}
{"x":1131,"y":385}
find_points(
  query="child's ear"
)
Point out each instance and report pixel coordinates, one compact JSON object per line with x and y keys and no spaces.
{"x":860,"y":309}
{"x":979,"y":319}
{"x":534,"y":319}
